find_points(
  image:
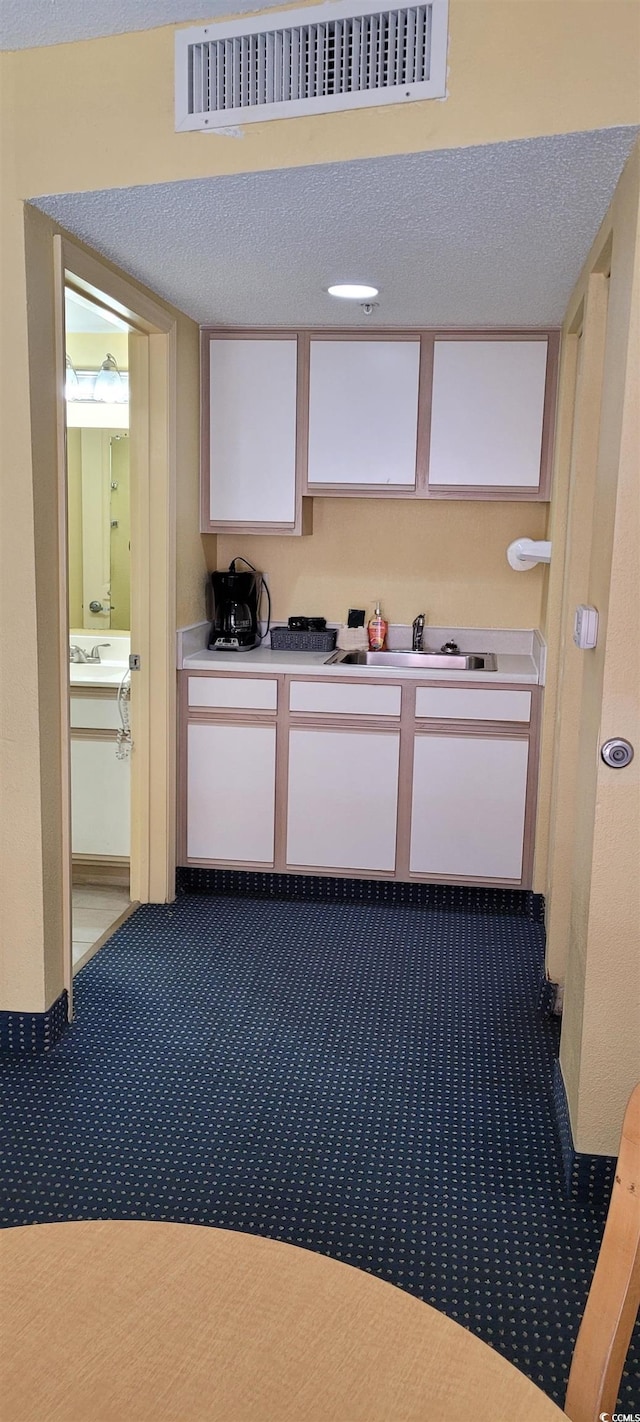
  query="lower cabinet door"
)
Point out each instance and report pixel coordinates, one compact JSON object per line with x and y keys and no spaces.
{"x":100,"y":799}
{"x":231,"y":785}
{"x":342,"y":799}
{"x":468,"y":806}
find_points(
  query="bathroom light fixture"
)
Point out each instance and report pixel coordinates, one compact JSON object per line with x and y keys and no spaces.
{"x":71,"y":384}
{"x":353,"y":291}
{"x":80,"y":386}
{"x":109,"y":386}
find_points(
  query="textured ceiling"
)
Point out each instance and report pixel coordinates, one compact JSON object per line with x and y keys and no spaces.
{"x":24,"y":24}
{"x":490,"y":235}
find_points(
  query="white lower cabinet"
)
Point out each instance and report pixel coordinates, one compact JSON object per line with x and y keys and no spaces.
{"x":468,"y":806}
{"x":343,"y":799}
{"x":100,"y":799}
{"x":231,"y":786}
{"x":338,"y":802}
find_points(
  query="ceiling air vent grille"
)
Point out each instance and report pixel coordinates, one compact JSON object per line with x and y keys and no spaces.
{"x":311,"y":61}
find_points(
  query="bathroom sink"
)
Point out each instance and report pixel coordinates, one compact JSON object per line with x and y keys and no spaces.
{"x":472,"y":661}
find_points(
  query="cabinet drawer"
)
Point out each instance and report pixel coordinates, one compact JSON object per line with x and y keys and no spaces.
{"x":445,"y":703}
{"x":328,"y":698}
{"x":242,"y":693}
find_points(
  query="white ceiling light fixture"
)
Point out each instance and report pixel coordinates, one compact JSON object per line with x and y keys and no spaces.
{"x":353,"y":291}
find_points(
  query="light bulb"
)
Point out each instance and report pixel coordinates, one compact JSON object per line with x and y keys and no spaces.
{"x":72,"y":384}
{"x":108,"y":386}
{"x":353,"y":291}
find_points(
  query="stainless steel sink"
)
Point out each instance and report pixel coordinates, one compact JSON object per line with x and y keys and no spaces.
{"x":447,"y":661}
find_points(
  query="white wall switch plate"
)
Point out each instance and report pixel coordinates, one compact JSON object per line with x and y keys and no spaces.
{"x":585,"y":628}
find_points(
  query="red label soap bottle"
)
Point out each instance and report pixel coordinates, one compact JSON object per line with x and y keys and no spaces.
{"x":377,"y":631}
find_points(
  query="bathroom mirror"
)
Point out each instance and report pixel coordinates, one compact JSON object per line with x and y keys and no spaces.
{"x":98,"y":529}
{"x":97,"y":471}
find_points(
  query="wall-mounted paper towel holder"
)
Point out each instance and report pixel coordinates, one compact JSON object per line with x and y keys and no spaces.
{"x":526,"y":552}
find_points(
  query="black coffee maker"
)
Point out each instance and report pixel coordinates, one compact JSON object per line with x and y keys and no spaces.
{"x":235,"y":599}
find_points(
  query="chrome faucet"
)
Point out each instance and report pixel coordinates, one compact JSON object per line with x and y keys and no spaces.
{"x":78,"y":654}
{"x":418,"y":632}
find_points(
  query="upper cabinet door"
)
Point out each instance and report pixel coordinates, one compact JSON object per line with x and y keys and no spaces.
{"x":363,"y":415}
{"x":249,"y":433}
{"x":490,"y":416}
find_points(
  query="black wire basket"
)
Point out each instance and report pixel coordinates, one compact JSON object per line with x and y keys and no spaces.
{"x":284,"y":639}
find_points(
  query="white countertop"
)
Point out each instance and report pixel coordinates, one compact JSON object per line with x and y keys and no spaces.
{"x":512,"y":668}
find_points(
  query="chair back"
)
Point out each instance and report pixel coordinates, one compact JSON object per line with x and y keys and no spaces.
{"x":614,"y":1296}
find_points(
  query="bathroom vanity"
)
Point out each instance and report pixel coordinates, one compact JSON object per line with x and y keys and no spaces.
{"x":100,"y":780}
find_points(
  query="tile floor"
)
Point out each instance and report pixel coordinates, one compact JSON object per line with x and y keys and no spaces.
{"x":94,"y":908}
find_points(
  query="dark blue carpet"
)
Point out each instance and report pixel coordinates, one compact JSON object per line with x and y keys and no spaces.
{"x":372,"y":1081}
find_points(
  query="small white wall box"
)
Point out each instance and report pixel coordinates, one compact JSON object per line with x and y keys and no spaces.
{"x":585,"y":628}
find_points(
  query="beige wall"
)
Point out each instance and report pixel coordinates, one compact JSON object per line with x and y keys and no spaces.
{"x":552,"y":602}
{"x":87,"y":351}
{"x":190,"y":556}
{"x":593,"y":896}
{"x":100,"y":114}
{"x":443,"y":557}
{"x":22,"y":820}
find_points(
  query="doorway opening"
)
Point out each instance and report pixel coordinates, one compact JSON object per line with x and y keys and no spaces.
{"x":150,"y":333}
{"x":99,"y":620}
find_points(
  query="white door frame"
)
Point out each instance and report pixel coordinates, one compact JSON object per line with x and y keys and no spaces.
{"x":152,"y":359}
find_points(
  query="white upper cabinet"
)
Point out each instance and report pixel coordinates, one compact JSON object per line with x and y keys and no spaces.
{"x":363,"y":413}
{"x":249,"y":433}
{"x":437,"y":415}
{"x":487,"y":415}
